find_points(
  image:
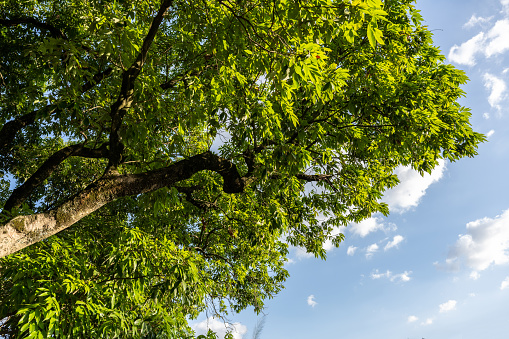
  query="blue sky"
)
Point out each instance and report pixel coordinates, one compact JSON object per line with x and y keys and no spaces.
{"x":438,"y":266}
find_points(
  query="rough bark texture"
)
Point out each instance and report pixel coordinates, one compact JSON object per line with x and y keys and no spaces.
{"x":26,"y":230}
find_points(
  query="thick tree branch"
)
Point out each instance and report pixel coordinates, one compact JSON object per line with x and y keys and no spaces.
{"x":125,"y":98}
{"x":55,"y":32}
{"x":25,"y":230}
{"x":20,"y":194}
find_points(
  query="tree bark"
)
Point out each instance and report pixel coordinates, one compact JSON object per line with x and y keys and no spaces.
{"x":26,"y":230}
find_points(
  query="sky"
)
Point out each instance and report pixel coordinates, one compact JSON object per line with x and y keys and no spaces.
{"x":438,"y":266}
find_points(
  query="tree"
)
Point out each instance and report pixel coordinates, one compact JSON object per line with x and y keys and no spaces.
{"x":166,"y":153}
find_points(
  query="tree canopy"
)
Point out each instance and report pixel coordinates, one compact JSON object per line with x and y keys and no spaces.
{"x":165,"y":154}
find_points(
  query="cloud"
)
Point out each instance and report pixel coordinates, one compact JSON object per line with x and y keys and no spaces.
{"x":377,"y":275}
{"x":370,"y":225}
{"x":490,"y":43}
{"x":465,"y":53}
{"x":497,"y":88}
{"x":401,"y":277}
{"x":370,"y":250}
{"x":504,"y":284}
{"x":220,"y":327}
{"x":395,"y":241}
{"x":328,"y":245}
{"x":490,"y":133}
{"x":311,"y":301}
{"x":428,"y":321}
{"x":351,"y":250}
{"x":412,"y":319}
{"x":486,"y":115}
{"x":475,"y":275}
{"x":447,"y":306}
{"x":474,"y":20}
{"x":497,"y":36}
{"x":485,"y":243}
{"x":301,"y":253}
{"x":412,"y":187}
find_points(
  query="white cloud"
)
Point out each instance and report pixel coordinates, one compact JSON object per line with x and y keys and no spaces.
{"x":351,"y":250}
{"x":490,"y":133}
{"x":370,"y":250}
{"x":471,"y":295}
{"x":370,"y":225}
{"x":412,"y":319}
{"x":394,"y":242}
{"x":489,"y":43}
{"x":221,"y":328}
{"x":401,"y":277}
{"x":447,"y":306}
{"x":328,"y":245}
{"x":377,"y":275}
{"x":486,"y":116}
{"x":404,"y":277}
{"x":465,"y":53}
{"x":504,"y":284}
{"x":475,"y":275}
{"x":289,"y":261}
{"x":301,"y":253}
{"x":474,"y":20}
{"x":497,"y":88}
{"x":412,"y":187}
{"x":486,"y":243}
{"x":428,"y":321}
{"x":497,"y":36}
{"x":311,"y":301}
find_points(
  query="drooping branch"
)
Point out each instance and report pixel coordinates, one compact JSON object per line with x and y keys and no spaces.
{"x":125,"y":98}
{"x":20,"y":194}
{"x":55,"y":32}
{"x":25,"y":230}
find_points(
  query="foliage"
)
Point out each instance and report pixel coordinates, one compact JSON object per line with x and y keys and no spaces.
{"x":178,"y":148}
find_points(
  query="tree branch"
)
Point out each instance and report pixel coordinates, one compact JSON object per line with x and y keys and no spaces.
{"x":21,"y":193}
{"x":26,"y":230}
{"x":55,"y":32}
{"x":125,"y":98}
{"x":97,"y":78}
{"x":9,"y":129}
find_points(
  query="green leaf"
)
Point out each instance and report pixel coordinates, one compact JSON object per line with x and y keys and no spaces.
{"x":371,"y":36}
